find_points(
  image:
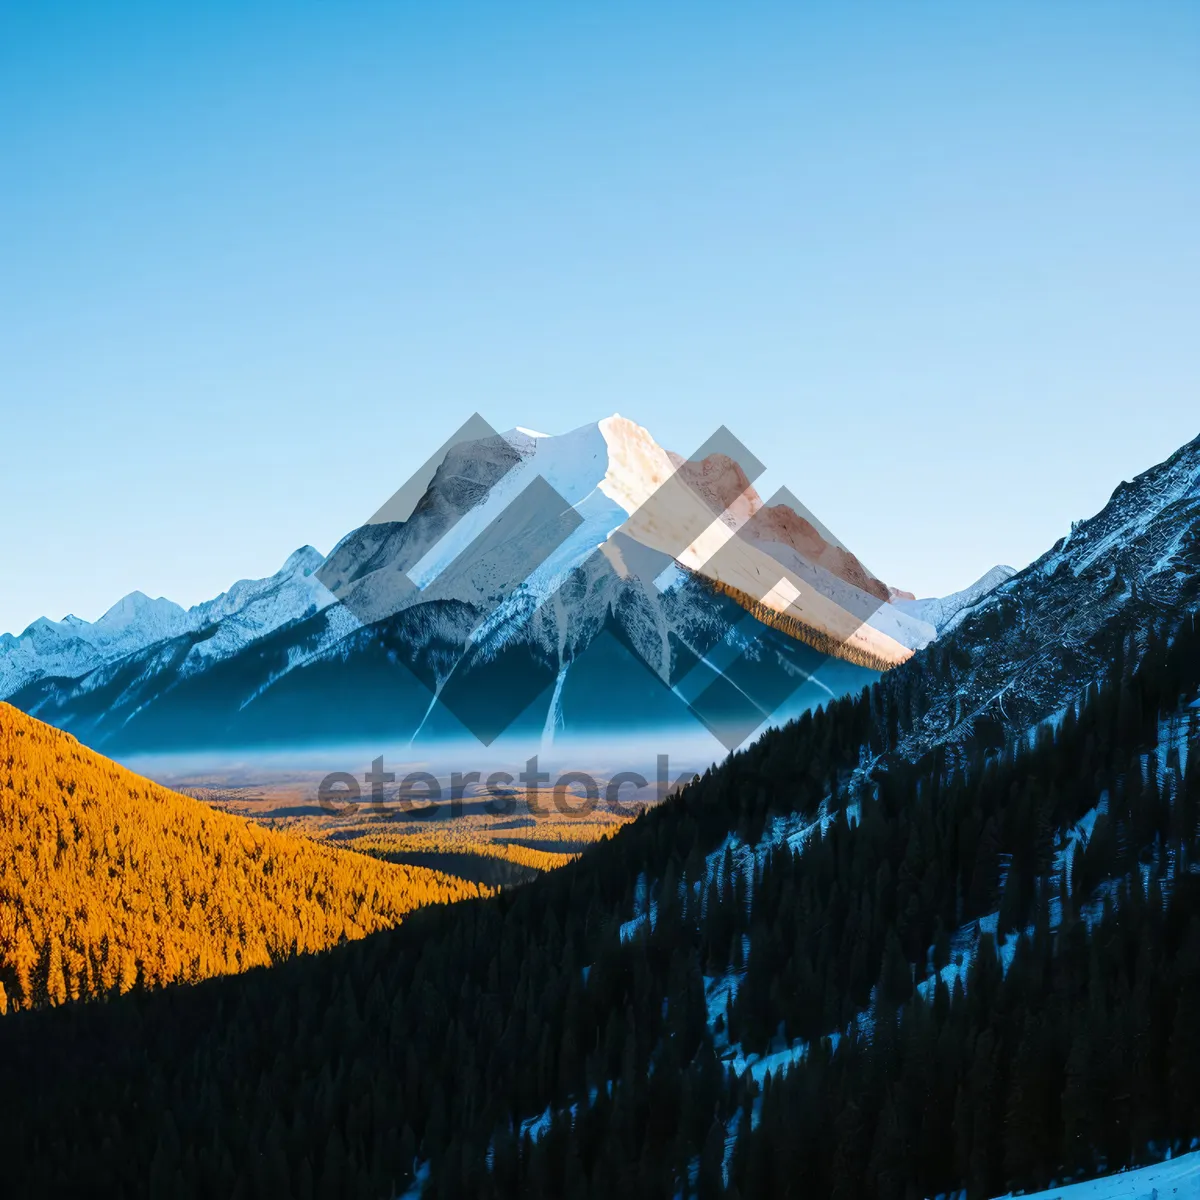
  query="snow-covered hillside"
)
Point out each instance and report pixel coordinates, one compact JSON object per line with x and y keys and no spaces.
{"x":1176,"y":1179}
{"x":72,"y":646}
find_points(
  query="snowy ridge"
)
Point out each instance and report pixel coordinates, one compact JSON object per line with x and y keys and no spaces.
{"x":939,"y":613}
{"x":1029,"y":645}
{"x":250,"y":609}
{"x":73,"y":646}
{"x":1175,"y":1179}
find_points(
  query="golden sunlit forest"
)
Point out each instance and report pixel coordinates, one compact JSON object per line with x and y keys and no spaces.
{"x":110,"y":882}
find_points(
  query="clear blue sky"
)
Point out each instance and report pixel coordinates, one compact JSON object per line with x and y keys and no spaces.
{"x":937,"y":265}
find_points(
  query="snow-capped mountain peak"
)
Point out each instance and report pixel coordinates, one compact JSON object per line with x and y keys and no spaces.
{"x":135,"y":615}
{"x":622,"y":488}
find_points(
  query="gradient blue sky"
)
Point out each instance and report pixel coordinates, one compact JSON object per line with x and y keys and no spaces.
{"x":937,"y":265}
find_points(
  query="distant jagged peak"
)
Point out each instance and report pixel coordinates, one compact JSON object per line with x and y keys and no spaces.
{"x":985,"y":583}
{"x":137,"y":606}
{"x":307,"y":559}
{"x":942,"y":611}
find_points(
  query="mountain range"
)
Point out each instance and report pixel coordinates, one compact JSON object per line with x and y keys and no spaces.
{"x":937,"y":937}
{"x":72,"y":648}
{"x":592,"y":579}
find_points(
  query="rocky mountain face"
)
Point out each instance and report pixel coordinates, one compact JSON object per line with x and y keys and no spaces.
{"x":579,"y":581}
{"x":1036,"y":640}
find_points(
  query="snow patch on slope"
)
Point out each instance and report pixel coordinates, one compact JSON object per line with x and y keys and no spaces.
{"x":1174,"y":1179}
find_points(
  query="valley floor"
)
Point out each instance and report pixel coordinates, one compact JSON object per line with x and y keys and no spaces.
{"x":494,"y":839}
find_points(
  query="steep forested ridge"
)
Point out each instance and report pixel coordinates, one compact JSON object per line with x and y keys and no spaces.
{"x":980,"y":969}
{"x":1023,"y":651}
{"x":109,"y":882}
